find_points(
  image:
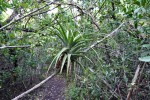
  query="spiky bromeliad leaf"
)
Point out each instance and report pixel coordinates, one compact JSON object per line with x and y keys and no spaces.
{"x":63,"y":63}
{"x":56,"y":58}
{"x":61,"y":35}
{"x":68,"y":63}
{"x":60,"y":54}
{"x":70,"y":39}
{"x":77,"y":47}
{"x":78,"y":37}
{"x":80,"y":65}
{"x":74,"y":44}
{"x":51,"y":64}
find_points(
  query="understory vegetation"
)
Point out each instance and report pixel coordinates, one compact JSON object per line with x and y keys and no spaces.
{"x":102,"y":47}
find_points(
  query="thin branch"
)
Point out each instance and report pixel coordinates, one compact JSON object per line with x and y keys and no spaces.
{"x":25,"y":46}
{"x":141,"y":72}
{"x":30,"y":13}
{"x":23,"y":29}
{"x":85,"y":12}
{"x":35,"y":87}
{"x":45,"y":11}
{"x":13,"y":15}
{"x":109,"y":35}
{"x":101,"y":7}
{"x":82,"y":11}
{"x":115,"y":90}
{"x":27,"y":21}
{"x":93,"y":20}
{"x":108,"y":85}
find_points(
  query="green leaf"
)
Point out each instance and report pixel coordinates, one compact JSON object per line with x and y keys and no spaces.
{"x":146,"y":46}
{"x":135,"y":23}
{"x":63,"y":63}
{"x":143,"y":2}
{"x":122,"y":1}
{"x":136,"y":10}
{"x":80,"y":65}
{"x":68,"y":63}
{"x":51,"y":64}
{"x":60,"y":53}
{"x":145,"y":59}
{"x":137,"y":2}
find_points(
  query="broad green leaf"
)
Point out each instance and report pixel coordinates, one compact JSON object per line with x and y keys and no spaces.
{"x":145,"y":59}
{"x":146,"y":46}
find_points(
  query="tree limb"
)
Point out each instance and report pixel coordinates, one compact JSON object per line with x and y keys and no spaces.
{"x":30,"y":13}
{"x":109,"y":35}
{"x":23,"y":29}
{"x":13,"y":15}
{"x":25,"y":46}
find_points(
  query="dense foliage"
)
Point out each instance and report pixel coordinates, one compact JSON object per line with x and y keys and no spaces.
{"x":98,"y":43}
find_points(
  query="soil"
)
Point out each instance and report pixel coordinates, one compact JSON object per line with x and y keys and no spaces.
{"x":53,"y":89}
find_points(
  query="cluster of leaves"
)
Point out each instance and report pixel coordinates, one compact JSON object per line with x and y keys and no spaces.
{"x":60,"y":38}
{"x":3,"y":5}
{"x":123,"y":51}
{"x":73,"y":46}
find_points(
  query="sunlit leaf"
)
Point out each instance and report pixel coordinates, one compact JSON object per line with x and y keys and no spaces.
{"x":145,"y":59}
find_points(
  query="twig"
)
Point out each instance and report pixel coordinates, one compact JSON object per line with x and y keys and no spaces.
{"x":141,"y":71}
{"x":109,"y":35}
{"x":108,"y":85}
{"x":115,"y":90}
{"x":45,"y":11}
{"x":133,"y":83}
{"x":101,"y":7}
{"x":33,"y":88}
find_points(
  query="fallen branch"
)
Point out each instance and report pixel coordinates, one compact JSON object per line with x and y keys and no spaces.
{"x":33,"y":88}
{"x":25,"y":46}
{"x":99,"y":41}
{"x":133,"y":82}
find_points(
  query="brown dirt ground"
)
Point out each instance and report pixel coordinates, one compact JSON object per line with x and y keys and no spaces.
{"x":53,"y":89}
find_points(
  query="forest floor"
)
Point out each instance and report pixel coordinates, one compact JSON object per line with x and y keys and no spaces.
{"x":53,"y":89}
